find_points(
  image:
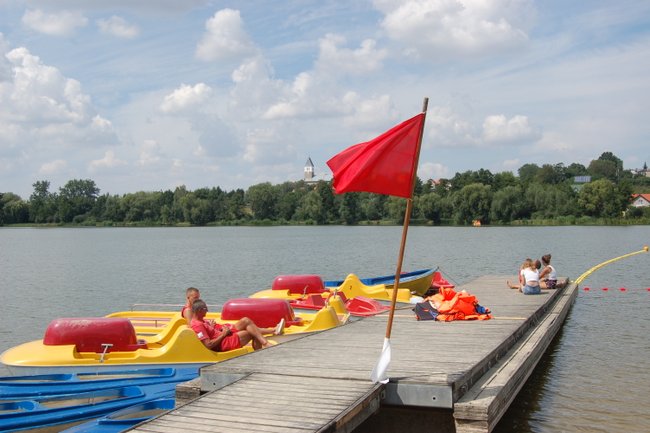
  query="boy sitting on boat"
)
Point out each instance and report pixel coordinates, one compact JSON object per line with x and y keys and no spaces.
{"x":224,"y":337}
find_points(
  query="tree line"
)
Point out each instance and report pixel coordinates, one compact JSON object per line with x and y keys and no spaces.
{"x":547,"y":194}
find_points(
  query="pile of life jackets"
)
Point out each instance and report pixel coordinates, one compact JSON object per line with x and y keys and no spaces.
{"x":452,"y":305}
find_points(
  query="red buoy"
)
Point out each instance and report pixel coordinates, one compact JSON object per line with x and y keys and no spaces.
{"x":587,"y":289}
{"x":622,"y":289}
{"x":605,"y":289}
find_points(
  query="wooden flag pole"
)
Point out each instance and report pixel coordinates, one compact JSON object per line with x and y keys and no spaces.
{"x":378,"y":374}
{"x":407,"y":218}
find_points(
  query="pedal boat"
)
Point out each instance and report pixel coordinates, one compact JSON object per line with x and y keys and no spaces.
{"x":416,"y":281}
{"x":111,"y":343}
{"x":43,"y":385}
{"x":64,"y":410}
{"x":300,"y":287}
{"x":123,"y":419}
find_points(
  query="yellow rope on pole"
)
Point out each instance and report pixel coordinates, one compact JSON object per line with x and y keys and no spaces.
{"x":595,"y":268}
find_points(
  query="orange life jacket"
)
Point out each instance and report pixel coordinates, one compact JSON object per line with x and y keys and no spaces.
{"x":454,"y":305}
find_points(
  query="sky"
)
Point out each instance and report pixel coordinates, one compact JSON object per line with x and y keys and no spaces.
{"x":149,"y":95}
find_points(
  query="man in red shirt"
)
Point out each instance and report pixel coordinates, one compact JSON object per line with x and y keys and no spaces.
{"x":224,"y":337}
{"x":191,"y":294}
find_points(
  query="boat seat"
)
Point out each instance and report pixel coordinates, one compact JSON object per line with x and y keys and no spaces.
{"x":299,"y":284}
{"x":94,"y":334}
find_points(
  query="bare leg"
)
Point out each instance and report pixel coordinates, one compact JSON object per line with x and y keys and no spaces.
{"x":253,"y":332}
{"x":512,"y":286}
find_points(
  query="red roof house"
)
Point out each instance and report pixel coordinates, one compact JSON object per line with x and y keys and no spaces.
{"x":640,"y":200}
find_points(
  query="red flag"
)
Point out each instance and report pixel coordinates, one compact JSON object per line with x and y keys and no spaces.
{"x":384,"y":165}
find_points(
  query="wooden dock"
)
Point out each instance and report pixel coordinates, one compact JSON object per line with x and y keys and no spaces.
{"x":461,"y":375}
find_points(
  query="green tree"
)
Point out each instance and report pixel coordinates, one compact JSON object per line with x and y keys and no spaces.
{"x":508,"y":204}
{"x":473,"y":202}
{"x":329,"y":206}
{"x":373,"y":206}
{"x":601,"y":198}
{"x":576,"y":169}
{"x":76,"y":199}
{"x":607,"y":166}
{"x":442,"y":187}
{"x":551,"y":174}
{"x":236,"y":205}
{"x":429,"y":206}
{"x":504,"y":179}
{"x":350,"y":210}
{"x":527,"y":173}
{"x":287,"y":205}
{"x":600,"y":169}
{"x":13,"y":210}
{"x":396,"y":207}
{"x":311,"y":208}
{"x":42,"y":203}
{"x":262,"y":199}
{"x":113,"y":209}
{"x":550,"y":201}
{"x":460,"y":180}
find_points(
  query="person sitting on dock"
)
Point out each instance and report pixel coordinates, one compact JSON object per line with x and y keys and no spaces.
{"x":548,"y":276}
{"x":531,"y":280}
{"x":527,"y":263}
{"x":191,"y":294}
{"x":224,"y":337}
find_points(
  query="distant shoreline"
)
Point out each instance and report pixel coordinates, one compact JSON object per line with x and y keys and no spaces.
{"x":521,"y":223}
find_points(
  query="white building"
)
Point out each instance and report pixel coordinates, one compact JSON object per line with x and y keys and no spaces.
{"x":640,"y":200}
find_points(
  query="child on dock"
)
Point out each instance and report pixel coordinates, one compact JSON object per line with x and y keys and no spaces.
{"x":548,"y":276}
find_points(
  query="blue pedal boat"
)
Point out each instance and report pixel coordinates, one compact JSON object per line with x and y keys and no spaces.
{"x":123,"y":419}
{"x":64,"y":409}
{"x":41,"y":385}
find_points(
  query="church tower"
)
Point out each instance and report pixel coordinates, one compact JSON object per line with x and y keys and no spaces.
{"x":309,"y":171}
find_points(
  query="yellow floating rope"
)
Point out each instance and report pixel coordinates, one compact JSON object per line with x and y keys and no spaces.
{"x":595,"y":268}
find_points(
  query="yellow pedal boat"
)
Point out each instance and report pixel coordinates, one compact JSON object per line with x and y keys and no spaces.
{"x":136,"y":340}
{"x":294,"y":287}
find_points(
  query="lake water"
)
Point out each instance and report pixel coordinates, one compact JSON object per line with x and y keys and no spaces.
{"x":594,"y":378}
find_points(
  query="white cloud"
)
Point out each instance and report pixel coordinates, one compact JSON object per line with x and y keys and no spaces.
{"x":63,"y":23}
{"x":512,"y":164}
{"x":39,"y":99}
{"x":117,"y":26}
{"x":321,"y":90}
{"x":5,"y":67}
{"x":333,"y":59}
{"x":225,"y":38}
{"x":53,"y":167}
{"x":107,"y":162}
{"x":253,"y":88}
{"x":186,"y":97}
{"x":149,"y":153}
{"x":499,"y":129}
{"x":433,"y":170}
{"x":370,"y":114}
{"x":456,"y":28}
{"x":446,"y":128}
